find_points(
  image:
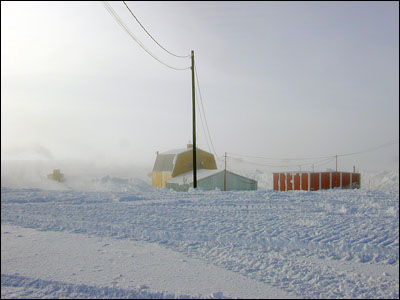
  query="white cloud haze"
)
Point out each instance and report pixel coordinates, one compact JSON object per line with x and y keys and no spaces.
{"x":278,"y":79}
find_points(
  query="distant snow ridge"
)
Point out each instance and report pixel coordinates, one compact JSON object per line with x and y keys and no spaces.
{"x":383,"y":180}
{"x":108,"y":183}
{"x":37,"y":288}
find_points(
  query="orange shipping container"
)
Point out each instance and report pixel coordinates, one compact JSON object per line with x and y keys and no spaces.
{"x":325,"y":180}
{"x":314,"y":181}
{"x":304,"y":181}
{"x":282,"y":181}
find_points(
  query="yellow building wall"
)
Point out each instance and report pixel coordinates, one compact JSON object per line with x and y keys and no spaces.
{"x":184,"y":162}
{"x":159,"y":178}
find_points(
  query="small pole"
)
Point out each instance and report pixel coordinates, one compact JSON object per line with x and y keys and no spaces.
{"x":313,"y":168}
{"x":194,"y":126}
{"x":354,"y":169}
{"x":336,"y":163}
{"x":225,"y":174}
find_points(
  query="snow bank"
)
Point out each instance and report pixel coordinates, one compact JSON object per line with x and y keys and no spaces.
{"x":78,"y":176}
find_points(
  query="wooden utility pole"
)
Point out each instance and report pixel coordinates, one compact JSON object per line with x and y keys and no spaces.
{"x":225,"y":174}
{"x":194,"y":126}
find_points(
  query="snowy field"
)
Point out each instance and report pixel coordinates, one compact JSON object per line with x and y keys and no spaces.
{"x":117,"y":237}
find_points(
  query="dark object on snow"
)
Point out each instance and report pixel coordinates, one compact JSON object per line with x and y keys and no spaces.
{"x":56,"y":175}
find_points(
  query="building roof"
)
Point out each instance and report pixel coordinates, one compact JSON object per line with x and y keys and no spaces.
{"x":165,"y":161}
{"x":187,"y":178}
{"x":176,"y":151}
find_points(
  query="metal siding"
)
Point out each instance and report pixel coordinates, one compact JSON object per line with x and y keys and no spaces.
{"x":346,"y":180}
{"x":276,"y":180}
{"x":239,"y":183}
{"x":335,"y":179}
{"x":297,"y":181}
{"x":304,"y":182}
{"x":282,"y":179}
{"x":212,"y":182}
{"x":325,"y":180}
{"x":356,"y":180}
{"x":289,"y":181}
{"x":234,"y":182}
{"x":314,"y":184}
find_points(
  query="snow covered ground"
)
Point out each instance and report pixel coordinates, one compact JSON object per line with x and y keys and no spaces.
{"x":117,"y":237}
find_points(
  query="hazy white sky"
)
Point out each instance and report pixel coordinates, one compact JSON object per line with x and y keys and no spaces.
{"x":278,"y":79}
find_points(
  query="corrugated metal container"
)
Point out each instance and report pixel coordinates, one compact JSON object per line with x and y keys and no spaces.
{"x":314,"y":181}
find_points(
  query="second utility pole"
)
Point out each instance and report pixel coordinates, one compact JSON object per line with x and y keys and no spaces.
{"x":194,"y":127}
{"x":225,"y":174}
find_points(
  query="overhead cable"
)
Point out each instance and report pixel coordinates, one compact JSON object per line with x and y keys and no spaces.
{"x":284,"y":166}
{"x":119,"y":21}
{"x":371,"y":149}
{"x":318,"y":157}
{"x":181,"y":56}
{"x":275,"y":158}
{"x":201,"y":101}
{"x":202,"y":125}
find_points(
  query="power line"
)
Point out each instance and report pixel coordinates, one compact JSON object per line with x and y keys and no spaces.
{"x":119,"y":21}
{"x":371,"y":149}
{"x":318,"y":157}
{"x":205,"y":119}
{"x":202,"y":124}
{"x":272,"y":158}
{"x":184,"y":56}
{"x":283,"y":166}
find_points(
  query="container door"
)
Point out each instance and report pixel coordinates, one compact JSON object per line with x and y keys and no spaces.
{"x":276,"y":180}
{"x":325,"y":180}
{"x":356,"y":182}
{"x":304,"y":182}
{"x":297,"y":182}
{"x":289,"y":181}
{"x":283,"y":181}
{"x":345,"y":180}
{"x":314,"y":184}
{"x":335,"y":179}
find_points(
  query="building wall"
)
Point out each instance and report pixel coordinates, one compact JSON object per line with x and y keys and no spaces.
{"x":234,"y":182}
{"x":159,"y":178}
{"x":239,"y":183}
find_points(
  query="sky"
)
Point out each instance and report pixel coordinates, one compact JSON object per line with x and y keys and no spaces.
{"x":277,"y":79}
